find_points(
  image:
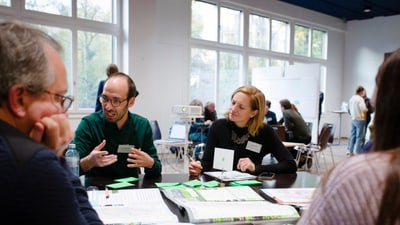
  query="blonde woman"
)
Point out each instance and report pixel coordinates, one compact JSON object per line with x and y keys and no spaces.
{"x":244,"y":132}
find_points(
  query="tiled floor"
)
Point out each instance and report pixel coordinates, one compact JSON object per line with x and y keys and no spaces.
{"x":172,"y":164}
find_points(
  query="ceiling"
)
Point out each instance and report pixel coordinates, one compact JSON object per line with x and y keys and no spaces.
{"x":348,"y":10}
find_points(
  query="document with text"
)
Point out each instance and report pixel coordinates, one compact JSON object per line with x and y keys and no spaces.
{"x":227,"y":204}
{"x":133,"y":206}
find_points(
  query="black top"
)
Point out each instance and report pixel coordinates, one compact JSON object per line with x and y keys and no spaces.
{"x":220,"y":135}
{"x":37,"y":186}
{"x":270,"y":118}
{"x":209,"y":115}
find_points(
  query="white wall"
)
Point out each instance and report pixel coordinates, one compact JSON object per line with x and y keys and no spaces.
{"x":159,"y":57}
{"x":366,"y":42}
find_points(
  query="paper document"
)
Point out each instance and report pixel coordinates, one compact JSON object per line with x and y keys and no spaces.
{"x":230,"y":175}
{"x":216,"y":194}
{"x":223,"y":159}
{"x":133,"y":206}
{"x":228,"y":204}
{"x":292,"y":196}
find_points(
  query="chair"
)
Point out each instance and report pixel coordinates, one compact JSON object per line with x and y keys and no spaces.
{"x":280,"y":131}
{"x":156,"y":130}
{"x":313,"y":151}
{"x":310,"y":126}
{"x":332,"y":136}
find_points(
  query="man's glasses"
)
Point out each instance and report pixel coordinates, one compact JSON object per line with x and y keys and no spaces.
{"x":65,"y":101}
{"x":114,"y":101}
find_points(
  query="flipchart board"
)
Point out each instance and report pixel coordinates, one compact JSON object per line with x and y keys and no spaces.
{"x":298,"y":83}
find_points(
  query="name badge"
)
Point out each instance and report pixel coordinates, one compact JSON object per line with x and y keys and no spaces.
{"x":254,"y":147}
{"x":125,"y":148}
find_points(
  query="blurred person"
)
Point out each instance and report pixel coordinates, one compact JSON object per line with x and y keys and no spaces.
{"x":370,"y":109}
{"x":270,"y":116}
{"x":37,"y":185}
{"x":210,"y":114}
{"x":244,"y":132}
{"x":357,"y":109}
{"x":295,"y":125}
{"x":321,"y":100}
{"x":365,"y":189}
{"x":114,"y":142}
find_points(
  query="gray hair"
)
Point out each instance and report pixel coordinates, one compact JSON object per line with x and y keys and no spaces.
{"x":22,"y":58}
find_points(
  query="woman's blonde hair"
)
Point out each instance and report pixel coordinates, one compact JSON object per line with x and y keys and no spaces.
{"x":257,"y":102}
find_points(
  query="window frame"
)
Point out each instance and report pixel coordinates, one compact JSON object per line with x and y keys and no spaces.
{"x":74,"y":24}
{"x":274,"y":57}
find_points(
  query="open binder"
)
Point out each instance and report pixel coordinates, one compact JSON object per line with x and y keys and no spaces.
{"x":227,"y":204}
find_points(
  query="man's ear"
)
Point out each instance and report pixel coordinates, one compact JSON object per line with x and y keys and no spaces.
{"x":131,"y":102}
{"x":16,"y":100}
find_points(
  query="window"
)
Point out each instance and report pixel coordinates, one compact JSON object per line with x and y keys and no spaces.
{"x":309,"y":42}
{"x":96,"y":10}
{"x":61,"y":7}
{"x":231,"y":27}
{"x":230,"y":74}
{"x":203,"y":74}
{"x":259,"y":28}
{"x":88,"y":32}
{"x":302,"y":40}
{"x":226,"y":53}
{"x":5,"y":2}
{"x":280,"y":33}
{"x":319,"y":44}
{"x":204,"y":21}
{"x":94,"y":49}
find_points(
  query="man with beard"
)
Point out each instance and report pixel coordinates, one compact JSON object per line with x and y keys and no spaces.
{"x":114,"y":142}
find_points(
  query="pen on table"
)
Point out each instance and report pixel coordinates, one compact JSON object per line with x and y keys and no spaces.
{"x":107,"y":193}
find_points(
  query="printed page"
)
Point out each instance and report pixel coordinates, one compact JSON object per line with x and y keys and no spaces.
{"x":139,"y":206}
{"x":293,"y":196}
{"x":239,"y":193}
{"x":212,"y":212}
{"x":230,"y":175}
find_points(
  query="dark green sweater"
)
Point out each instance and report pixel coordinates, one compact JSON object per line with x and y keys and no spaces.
{"x":94,"y":128}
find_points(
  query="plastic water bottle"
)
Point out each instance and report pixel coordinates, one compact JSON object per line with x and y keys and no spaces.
{"x":72,"y":158}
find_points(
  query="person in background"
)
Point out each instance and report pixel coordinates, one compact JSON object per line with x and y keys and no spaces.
{"x":198,"y":125}
{"x":370,"y":109}
{"x":357,"y":109}
{"x":210,"y":115}
{"x":295,"y":109}
{"x":295,"y":125}
{"x":37,"y":185}
{"x":321,"y":100}
{"x":111,"y":68}
{"x":244,"y":132}
{"x":114,"y":142}
{"x":270,"y":117}
{"x":364,"y":189}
